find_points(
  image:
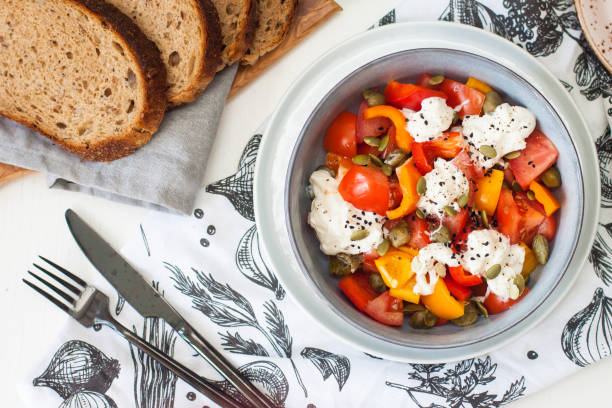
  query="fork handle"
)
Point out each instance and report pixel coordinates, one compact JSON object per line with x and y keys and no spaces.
{"x":199,"y":383}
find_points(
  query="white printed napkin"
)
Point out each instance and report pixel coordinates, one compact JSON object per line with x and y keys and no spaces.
{"x":210,"y":268}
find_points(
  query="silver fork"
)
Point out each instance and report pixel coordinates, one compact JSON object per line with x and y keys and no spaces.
{"x":89,"y":306}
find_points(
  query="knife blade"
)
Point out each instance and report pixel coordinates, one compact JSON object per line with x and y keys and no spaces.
{"x":149,"y":302}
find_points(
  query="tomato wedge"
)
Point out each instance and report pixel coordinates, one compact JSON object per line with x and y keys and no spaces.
{"x":537,"y":157}
{"x":508,"y":216}
{"x":548,"y":227}
{"x":374,"y":127}
{"x":447,"y":146}
{"x":386,"y":310}
{"x":357,"y":288}
{"x":496,"y":304}
{"x":458,"y":291}
{"x":470,"y":99}
{"x":341,"y":137}
{"x":456,"y":223}
{"x":366,"y":188}
{"x":408,"y":95}
{"x":463,"y":162}
{"x":419,"y":236}
{"x":423,"y":82}
{"x":532,"y":216}
{"x":463,"y":278}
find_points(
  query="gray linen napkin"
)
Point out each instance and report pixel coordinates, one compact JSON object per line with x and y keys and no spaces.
{"x":165,"y":173}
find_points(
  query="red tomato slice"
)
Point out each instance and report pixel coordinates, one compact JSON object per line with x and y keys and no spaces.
{"x":508,"y":175}
{"x":495,"y":304}
{"x":334,"y":161}
{"x":532,"y":216}
{"x":462,"y":277}
{"x":464,"y":163}
{"x":419,"y":236}
{"x":458,"y":291}
{"x":341,"y":137}
{"x":508,"y":216}
{"x":480,"y":289}
{"x":447,"y":147}
{"x":395,"y":194}
{"x":369,"y":266}
{"x":370,"y":256}
{"x":461,"y":94}
{"x":366,"y":188}
{"x":357,"y":288}
{"x":386,"y":310}
{"x":422,"y":160}
{"x":423,"y":82}
{"x":548,"y":227}
{"x":392,"y":144}
{"x":374,"y":127}
{"x":456,"y":223}
{"x":408,"y":95}
{"x":537,"y":157}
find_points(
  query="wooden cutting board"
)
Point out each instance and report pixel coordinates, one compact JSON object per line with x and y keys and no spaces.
{"x":310,"y":14}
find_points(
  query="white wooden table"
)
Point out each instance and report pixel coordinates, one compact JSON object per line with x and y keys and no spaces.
{"x":32,"y":223}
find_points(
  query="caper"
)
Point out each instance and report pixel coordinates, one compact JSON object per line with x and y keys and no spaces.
{"x":470,"y":315}
{"x":310,"y":192}
{"x":373,"y":98}
{"x":436,"y":80}
{"x":376,"y":160}
{"x":384,"y":141}
{"x":372,"y":141}
{"x":377,"y":283}
{"x":455,"y":117}
{"x":551,"y":178}
{"x":540,"y":248}
{"x":396,"y":157}
{"x":530,"y":195}
{"x":361,"y":160}
{"x":399,"y":235}
{"x":386,"y":169}
{"x":420,"y":213}
{"x":492,"y":101}
{"x":493,"y":271}
{"x":383,"y":247}
{"x":423,"y":319}
{"x":327,"y":169}
{"x":463,"y":200}
{"x":512,"y":155}
{"x":516,"y":187}
{"x":519,"y":281}
{"x":359,"y":234}
{"x":450,"y":211}
{"x":338,"y":268}
{"x":442,"y":234}
{"x":421,"y":186}
{"x":412,"y":307}
{"x":485,"y":219}
{"x":354,"y":261}
{"x":514,"y":292}
{"x":488,"y":151}
{"x":481,"y":309}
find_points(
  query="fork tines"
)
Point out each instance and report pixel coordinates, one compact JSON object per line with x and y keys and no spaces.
{"x":76,"y":287}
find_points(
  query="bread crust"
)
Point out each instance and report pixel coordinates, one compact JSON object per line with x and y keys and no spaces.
{"x":245,"y":38}
{"x":153,"y":72}
{"x":211,"y":51}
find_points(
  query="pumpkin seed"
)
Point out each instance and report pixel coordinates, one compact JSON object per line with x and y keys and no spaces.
{"x":396,"y":157}
{"x":359,"y":235}
{"x":413,"y":307}
{"x":377,"y":283}
{"x":512,"y":155}
{"x":420,"y":213}
{"x":514,"y":293}
{"x":376,"y":160}
{"x":383,"y":247}
{"x":516,"y":187}
{"x":488,"y":151}
{"x":493,"y":271}
{"x":338,"y":268}
{"x":481,"y":309}
{"x":551,"y":178}
{"x":470,"y":315}
{"x":436,"y":80}
{"x":373,"y":98}
{"x":455,"y":117}
{"x":399,"y":235}
{"x":492,"y":101}
{"x":327,"y":169}
{"x":386,"y":169}
{"x":442,"y":234}
{"x":384,"y":141}
{"x":485,"y":219}
{"x":450,"y":211}
{"x":361,"y":159}
{"x":540,"y":248}
{"x":519,"y":281}
{"x":463,"y":200}
{"x":530,"y":195}
{"x":421,"y":186}
{"x":372,"y":141}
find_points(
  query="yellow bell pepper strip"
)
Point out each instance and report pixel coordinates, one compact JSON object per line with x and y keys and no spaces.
{"x":545,"y":197}
{"x":408,"y":176}
{"x":402,"y":136}
{"x":406,"y":292}
{"x":530,"y":262}
{"x":488,"y":189}
{"x":442,"y":304}
{"x":409,"y":250}
{"x":478,"y":85}
{"x":394,"y":268}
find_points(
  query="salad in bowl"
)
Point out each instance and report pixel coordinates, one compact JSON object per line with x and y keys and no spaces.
{"x":436,"y":202}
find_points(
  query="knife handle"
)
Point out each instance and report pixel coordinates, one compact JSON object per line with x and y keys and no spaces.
{"x":190,"y":377}
{"x":223,"y":367}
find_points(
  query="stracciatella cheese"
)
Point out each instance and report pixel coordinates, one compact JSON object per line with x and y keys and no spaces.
{"x":430,"y":264}
{"x":445,"y":184}
{"x":434,"y":118}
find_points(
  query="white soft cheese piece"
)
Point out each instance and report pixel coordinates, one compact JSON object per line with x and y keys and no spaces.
{"x":429,"y":265}
{"x":488,"y":247}
{"x":334,"y":220}
{"x":506,"y":129}
{"x":434,"y":118}
{"x":445,"y":184}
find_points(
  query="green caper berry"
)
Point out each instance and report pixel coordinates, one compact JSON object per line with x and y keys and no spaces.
{"x":377,"y":283}
{"x":470,"y":315}
{"x":399,"y":235}
{"x":338,"y":268}
{"x":551,"y":178}
{"x":413,"y":307}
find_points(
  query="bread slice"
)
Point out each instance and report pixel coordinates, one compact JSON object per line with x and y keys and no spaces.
{"x":188,"y":34}
{"x":274,"y":18}
{"x":81,"y":73}
{"x":238,"y":23}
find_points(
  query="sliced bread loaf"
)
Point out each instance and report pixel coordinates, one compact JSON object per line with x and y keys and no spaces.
{"x":81,"y":73}
{"x":274,"y":18}
{"x":238,"y":23}
{"x":188,"y":34}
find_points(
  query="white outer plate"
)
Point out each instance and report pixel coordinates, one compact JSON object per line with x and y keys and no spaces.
{"x":311,"y":87}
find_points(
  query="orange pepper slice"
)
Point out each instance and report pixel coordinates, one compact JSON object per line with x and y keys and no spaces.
{"x":442,"y":304}
{"x":408,"y":176}
{"x":402,"y":136}
{"x":545,"y":197}
{"x":488,"y":191}
{"x":406,"y":292}
{"x":530,"y":262}
{"x":478,"y":85}
{"x":395,"y":268}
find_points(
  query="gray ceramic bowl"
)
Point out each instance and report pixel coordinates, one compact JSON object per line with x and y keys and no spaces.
{"x":307,"y":264}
